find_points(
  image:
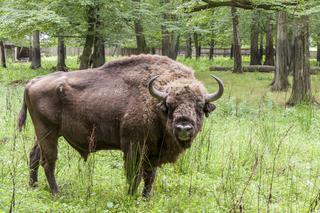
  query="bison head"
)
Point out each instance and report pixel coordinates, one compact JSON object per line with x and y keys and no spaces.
{"x":183,"y":105}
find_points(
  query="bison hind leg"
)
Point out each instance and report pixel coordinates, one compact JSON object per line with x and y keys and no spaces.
{"x":34,"y":165}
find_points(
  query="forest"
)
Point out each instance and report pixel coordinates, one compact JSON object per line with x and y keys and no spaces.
{"x":257,"y":152}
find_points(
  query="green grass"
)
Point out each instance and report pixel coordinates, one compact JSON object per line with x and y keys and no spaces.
{"x":253,"y":153}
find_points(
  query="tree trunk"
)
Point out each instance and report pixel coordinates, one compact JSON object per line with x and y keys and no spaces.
{"x":301,"y":88}
{"x":98,"y":57}
{"x":269,"y":60}
{"x":211,"y":50}
{"x":254,"y":39}
{"x":301,"y":66}
{"x":61,"y":52}
{"x":280,"y":82}
{"x":318,"y":49}
{"x":188,"y":53}
{"x":261,"y":48}
{"x":237,"y":63}
{"x":87,"y":49}
{"x":36,"y":55}
{"x":170,"y":43}
{"x":197,"y":45}
{"x":231,"y":50}
{"x":3,"y":55}
{"x":140,"y":39}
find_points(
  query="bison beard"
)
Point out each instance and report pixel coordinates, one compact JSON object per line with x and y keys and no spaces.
{"x":149,"y":107}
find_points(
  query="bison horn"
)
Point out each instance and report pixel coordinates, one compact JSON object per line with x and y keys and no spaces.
{"x":216,"y":95}
{"x":154,"y":92}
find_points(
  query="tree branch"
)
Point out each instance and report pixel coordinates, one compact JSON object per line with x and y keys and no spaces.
{"x":244,"y":4}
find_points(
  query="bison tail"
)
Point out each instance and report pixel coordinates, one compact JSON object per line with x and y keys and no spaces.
{"x":23,"y":113}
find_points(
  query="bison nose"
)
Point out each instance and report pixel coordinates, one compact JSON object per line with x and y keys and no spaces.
{"x":183,"y":128}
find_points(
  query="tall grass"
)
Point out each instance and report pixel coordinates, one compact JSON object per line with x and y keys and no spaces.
{"x":252,"y":155}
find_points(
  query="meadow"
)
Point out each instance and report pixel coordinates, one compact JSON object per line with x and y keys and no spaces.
{"x":254,"y":154}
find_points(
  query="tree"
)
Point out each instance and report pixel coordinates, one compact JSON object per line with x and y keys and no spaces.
{"x":254,"y":38}
{"x":280,"y":82}
{"x":188,"y":52}
{"x":3,"y":55}
{"x":61,"y":52}
{"x":138,"y":28}
{"x":237,"y":64}
{"x":269,"y":59}
{"x":36,"y":54}
{"x":85,"y":62}
{"x":301,"y":89}
{"x":170,"y":37}
{"x":197,"y":45}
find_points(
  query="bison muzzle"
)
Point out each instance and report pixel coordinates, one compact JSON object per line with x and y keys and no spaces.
{"x":149,"y":107}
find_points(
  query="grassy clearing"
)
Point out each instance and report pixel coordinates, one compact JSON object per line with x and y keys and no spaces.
{"x":253,"y":154}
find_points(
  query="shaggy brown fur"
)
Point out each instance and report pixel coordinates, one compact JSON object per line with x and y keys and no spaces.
{"x":112,"y":104}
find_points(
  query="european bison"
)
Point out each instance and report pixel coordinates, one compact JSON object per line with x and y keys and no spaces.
{"x":149,"y":107}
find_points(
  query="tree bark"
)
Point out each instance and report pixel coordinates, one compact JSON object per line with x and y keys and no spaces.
{"x":211,"y":50}
{"x":3,"y":55}
{"x":231,"y":50}
{"x":237,"y":63}
{"x":88,"y":46}
{"x":254,"y":39}
{"x":261,"y":48}
{"x":61,"y":52}
{"x":98,"y":57}
{"x":301,"y":89}
{"x":140,"y":38}
{"x":318,"y":50}
{"x":280,"y":82}
{"x":188,"y":53}
{"x":170,"y":43}
{"x":197,"y":44}
{"x":269,"y":59}
{"x":36,"y":55}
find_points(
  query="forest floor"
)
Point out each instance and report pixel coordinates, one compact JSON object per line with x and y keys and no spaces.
{"x":253,"y":154}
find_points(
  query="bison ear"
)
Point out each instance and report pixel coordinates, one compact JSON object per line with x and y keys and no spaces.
{"x":208,"y":107}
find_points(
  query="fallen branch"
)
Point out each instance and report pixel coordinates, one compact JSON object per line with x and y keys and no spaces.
{"x":257,"y":68}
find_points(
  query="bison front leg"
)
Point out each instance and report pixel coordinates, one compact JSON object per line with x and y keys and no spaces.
{"x":149,"y":175}
{"x":133,"y":166}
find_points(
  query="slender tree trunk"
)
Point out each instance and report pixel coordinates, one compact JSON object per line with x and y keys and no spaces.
{"x":280,"y":82}
{"x":36,"y":55}
{"x":301,"y":89}
{"x":197,"y":45}
{"x":170,"y":43}
{"x":269,"y":60}
{"x":211,"y":50}
{"x":254,"y":39}
{"x":318,"y":49}
{"x":237,"y":63}
{"x":231,"y":50}
{"x":140,"y":38}
{"x":61,"y":52}
{"x":261,"y":48}
{"x":318,"y":52}
{"x":88,"y":46}
{"x":153,"y":50}
{"x":188,"y":53}
{"x":98,"y":57}
{"x":30,"y":50}
{"x":3,"y":55}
